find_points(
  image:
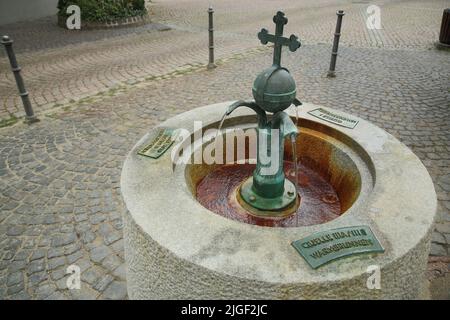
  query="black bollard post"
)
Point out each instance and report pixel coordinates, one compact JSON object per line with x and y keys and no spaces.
{"x":30,"y":117}
{"x":444,"y":34}
{"x":334,"y":52}
{"x":211,"y":64}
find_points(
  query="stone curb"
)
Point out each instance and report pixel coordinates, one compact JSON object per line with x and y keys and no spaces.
{"x":124,"y":22}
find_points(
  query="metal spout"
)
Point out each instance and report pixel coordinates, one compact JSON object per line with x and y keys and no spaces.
{"x":262,"y":118}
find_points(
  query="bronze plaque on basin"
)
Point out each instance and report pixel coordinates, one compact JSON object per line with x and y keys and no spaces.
{"x":160,"y":144}
{"x":326,"y":246}
{"x":332,"y":117}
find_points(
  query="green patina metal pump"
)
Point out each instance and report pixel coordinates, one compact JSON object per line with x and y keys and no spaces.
{"x":274,"y":90}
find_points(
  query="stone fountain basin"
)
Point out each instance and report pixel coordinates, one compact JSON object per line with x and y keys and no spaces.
{"x":345,"y":165}
{"x":177,"y":249}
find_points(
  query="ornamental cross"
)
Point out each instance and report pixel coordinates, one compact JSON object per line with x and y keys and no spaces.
{"x":278,"y":40}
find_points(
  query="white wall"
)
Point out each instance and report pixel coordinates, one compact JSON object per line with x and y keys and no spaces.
{"x":20,"y":10}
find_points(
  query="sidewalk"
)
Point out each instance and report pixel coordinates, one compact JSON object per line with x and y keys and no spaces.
{"x":60,"y":201}
{"x":61,"y":65}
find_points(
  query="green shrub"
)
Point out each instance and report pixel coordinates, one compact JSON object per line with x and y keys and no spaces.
{"x":104,"y":10}
{"x":138,"y":4}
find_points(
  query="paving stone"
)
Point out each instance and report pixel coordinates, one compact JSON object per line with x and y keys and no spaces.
{"x":91,"y":275}
{"x":97,"y":218}
{"x":103,"y":282}
{"x":29,"y":244}
{"x":438,"y":238}
{"x":45,"y":290}
{"x":438,"y":250}
{"x":15,"y":230}
{"x":84,"y":264}
{"x":56,"y":262}
{"x":99,"y":253}
{"x":88,"y":237}
{"x":118,"y":224}
{"x":81,"y":217}
{"x":74,"y":257}
{"x":58,"y":273}
{"x":60,"y":178}
{"x":38,"y":254}
{"x":67,"y":228}
{"x":443,"y":227}
{"x":56,"y":296}
{"x":17,"y":265}
{"x":14,"y":278}
{"x":111,"y":237}
{"x":72,"y":248}
{"x":120,"y":272}
{"x":61,"y":284}
{"x":36,"y":266}
{"x":447,"y":238}
{"x":8,"y":255}
{"x":444,"y":181}
{"x":111,"y":262}
{"x":84,"y":294}
{"x":118,"y":246}
{"x":55,"y":252}
{"x":14,"y":289}
{"x":20,"y":296}
{"x":44,"y":242}
{"x":37,"y":278}
{"x":22,"y":255}
{"x":13,"y":244}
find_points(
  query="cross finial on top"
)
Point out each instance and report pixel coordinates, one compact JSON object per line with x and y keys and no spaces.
{"x":278,"y":40}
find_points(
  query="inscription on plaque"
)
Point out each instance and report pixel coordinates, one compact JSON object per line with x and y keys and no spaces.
{"x":159,"y":144}
{"x":334,"y":118}
{"x":323,"y":247}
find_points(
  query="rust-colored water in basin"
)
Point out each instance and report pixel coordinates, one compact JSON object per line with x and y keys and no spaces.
{"x":319,"y":201}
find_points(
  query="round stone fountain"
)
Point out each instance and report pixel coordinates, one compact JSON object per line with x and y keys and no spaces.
{"x":225,"y":229}
{"x":177,"y":248}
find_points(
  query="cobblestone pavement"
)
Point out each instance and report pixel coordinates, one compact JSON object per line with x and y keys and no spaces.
{"x":60,"y":201}
{"x":60,"y":65}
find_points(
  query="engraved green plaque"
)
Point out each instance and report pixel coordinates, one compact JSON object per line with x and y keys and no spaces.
{"x":325,"y":246}
{"x":160,"y":144}
{"x":334,"y":118}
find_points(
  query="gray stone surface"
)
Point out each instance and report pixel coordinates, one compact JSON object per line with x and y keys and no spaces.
{"x":65,"y":169}
{"x":99,"y":253}
{"x":213,"y":257}
{"x":117,"y":290}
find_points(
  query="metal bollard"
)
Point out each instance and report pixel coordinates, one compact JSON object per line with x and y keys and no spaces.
{"x":334,"y":51}
{"x":211,"y":64}
{"x":30,"y":117}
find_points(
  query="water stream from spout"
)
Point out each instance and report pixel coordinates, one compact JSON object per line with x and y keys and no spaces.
{"x":294,"y":159}
{"x":220,"y":126}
